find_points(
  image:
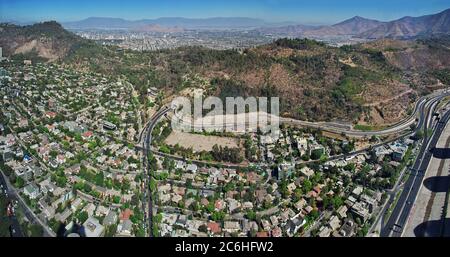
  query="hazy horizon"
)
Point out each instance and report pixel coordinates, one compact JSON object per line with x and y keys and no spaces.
{"x":319,"y":12}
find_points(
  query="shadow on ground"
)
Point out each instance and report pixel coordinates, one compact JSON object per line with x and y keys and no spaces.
{"x":433,"y":228}
{"x":437,"y":184}
{"x":441,"y":153}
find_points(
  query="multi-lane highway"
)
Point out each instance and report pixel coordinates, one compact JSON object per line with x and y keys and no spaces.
{"x":417,"y":114}
{"x":397,"y":220}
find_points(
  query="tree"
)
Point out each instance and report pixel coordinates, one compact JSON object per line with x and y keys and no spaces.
{"x":19,"y":182}
{"x":99,"y":179}
{"x":251,"y":215}
{"x":152,"y":185}
{"x":218,"y":216}
{"x":82,"y":217}
{"x":111,"y":230}
{"x":134,"y":200}
{"x":203,"y":228}
{"x":155,"y":230}
{"x":307,"y":185}
{"x":116,"y":199}
{"x":316,"y":154}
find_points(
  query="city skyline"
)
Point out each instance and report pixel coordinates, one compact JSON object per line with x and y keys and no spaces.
{"x":307,"y":12}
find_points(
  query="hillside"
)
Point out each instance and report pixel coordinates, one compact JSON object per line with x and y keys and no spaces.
{"x":41,"y":41}
{"x":372,"y":83}
{"x":314,"y":81}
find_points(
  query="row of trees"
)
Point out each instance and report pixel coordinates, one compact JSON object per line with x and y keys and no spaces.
{"x":227,"y":154}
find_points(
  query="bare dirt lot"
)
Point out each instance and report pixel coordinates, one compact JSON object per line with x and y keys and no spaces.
{"x":200,"y":142}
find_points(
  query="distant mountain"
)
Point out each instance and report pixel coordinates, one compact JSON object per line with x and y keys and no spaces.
{"x":100,"y":23}
{"x":286,"y":31}
{"x":351,"y":26}
{"x":218,"y":22}
{"x":158,"y":28}
{"x":359,"y":27}
{"x":187,"y":23}
{"x":410,"y":27}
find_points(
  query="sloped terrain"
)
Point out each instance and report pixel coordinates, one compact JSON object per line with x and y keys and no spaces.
{"x":374,"y":82}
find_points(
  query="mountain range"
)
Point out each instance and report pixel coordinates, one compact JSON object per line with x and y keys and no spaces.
{"x":359,"y":27}
{"x":186,"y":23}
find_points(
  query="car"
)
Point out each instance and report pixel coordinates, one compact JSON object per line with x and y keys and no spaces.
{"x":408,"y":202}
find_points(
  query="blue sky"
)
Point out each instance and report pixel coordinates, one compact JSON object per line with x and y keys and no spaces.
{"x":304,"y":11}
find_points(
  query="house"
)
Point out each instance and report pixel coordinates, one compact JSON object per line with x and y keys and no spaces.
{"x":87,"y":135}
{"x":231,"y":226}
{"x":342,"y":211}
{"x":89,"y":208}
{"x":307,"y":172}
{"x":262,"y":234}
{"x":302,"y":146}
{"x":194,"y":225}
{"x":109,"y":126}
{"x":125,"y":228}
{"x":276,"y":232}
{"x":126,"y":214}
{"x":348,"y":229}
{"x":219,"y":205}
{"x":214,"y":227}
{"x":92,"y":228}
{"x":300,"y":204}
{"x":324,"y":231}
{"x":76,"y":204}
{"x":181,"y":220}
{"x":334,"y":223}
{"x":179,"y":165}
{"x":110,"y":218}
{"x":293,"y":225}
{"x":357,"y":191}
{"x":101,"y":210}
{"x":192,"y":168}
{"x":32,"y":191}
{"x":62,"y":217}
{"x":233,"y":205}
{"x":361,"y":211}
{"x":398,"y":151}
{"x":50,"y":115}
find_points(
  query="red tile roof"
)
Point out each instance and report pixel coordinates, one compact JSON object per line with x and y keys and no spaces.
{"x":214,"y":227}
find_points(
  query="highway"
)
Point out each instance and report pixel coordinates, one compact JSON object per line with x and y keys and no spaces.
{"x":417,"y":114}
{"x":396,"y":222}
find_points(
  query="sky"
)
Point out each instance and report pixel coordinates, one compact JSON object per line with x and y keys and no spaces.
{"x":301,"y":11}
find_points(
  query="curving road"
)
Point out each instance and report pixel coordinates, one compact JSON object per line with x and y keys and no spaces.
{"x":417,"y":115}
